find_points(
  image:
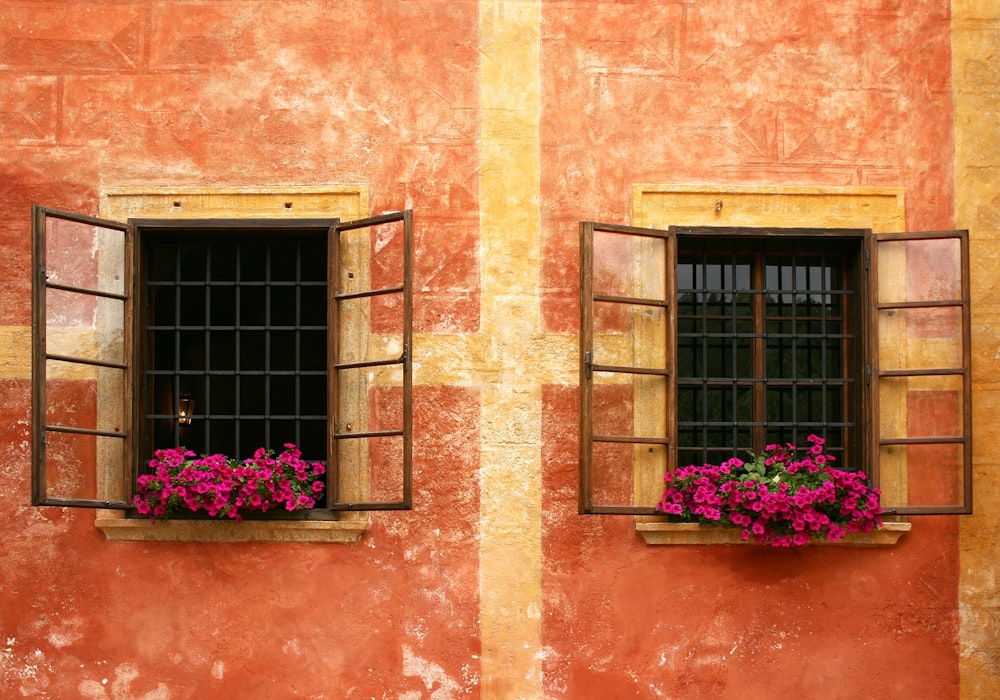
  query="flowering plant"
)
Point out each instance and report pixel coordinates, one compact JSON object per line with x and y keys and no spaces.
{"x":776,"y":498}
{"x":226,"y":487}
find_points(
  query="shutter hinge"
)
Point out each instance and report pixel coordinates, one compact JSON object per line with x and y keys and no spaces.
{"x":406,"y":351}
{"x":587,"y":364}
{"x":868,"y":258}
{"x":868,"y":375}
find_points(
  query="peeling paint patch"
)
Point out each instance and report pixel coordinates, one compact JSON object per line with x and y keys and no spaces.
{"x":28,"y":671}
{"x":121,"y":687}
{"x":67,"y":633}
{"x":431,"y":674}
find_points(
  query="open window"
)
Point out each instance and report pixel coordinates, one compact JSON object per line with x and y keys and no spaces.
{"x":698,"y":344}
{"x":221,"y":334}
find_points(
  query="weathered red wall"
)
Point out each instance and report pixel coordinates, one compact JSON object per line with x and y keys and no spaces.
{"x":234,"y":92}
{"x":94,"y":94}
{"x":767,"y":92}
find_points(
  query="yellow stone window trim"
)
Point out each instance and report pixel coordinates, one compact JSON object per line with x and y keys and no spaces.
{"x":695,"y":533}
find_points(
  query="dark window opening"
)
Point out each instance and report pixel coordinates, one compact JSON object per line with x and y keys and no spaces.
{"x":235,"y":324}
{"x":766,"y":347}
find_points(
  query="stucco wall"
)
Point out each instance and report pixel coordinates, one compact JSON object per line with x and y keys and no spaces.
{"x":502,"y":125}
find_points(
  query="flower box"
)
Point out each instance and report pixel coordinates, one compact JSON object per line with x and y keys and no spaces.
{"x":779,"y":497}
{"x":223,"y":487}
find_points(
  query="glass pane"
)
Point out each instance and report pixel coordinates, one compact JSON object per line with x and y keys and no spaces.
{"x":922,"y":406}
{"x":84,"y":466}
{"x":283,"y":305}
{"x":924,"y":475}
{"x":222,"y":305}
{"x":222,"y":253}
{"x":253,"y":349}
{"x":283,"y":351}
{"x":629,"y":265}
{"x":629,"y":405}
{"x":84,"y":255}
{"x":630,"y":335}
{"x":222,"y":394}
{"x":313,"y":261}
{"x":386,"y":248}
{"x":367,"y":402}
{"x":613,"y":405}
{"x":616,"y":465}
{"x":371,"y":470}
{"x":84,"y":396}
{"x":192,"y":350}
{"x":919,"y":270}
{"x":191,"y":305}
{"x":283,"y":399}
{"x":222,"y":351}
{"x":312,"y":305}
{"x":221,"y":437}
{"x":920,"y":338}
{"x":85,"y":326}
{"x":252,"y":304}
{"x":312,"y":438}
{"x":161,"y":305}
{"x":252,"y":400}
{"x":372,"y":337}
{"x":385,"y":408}
{"x":191,"y":261}
{"x":387,"y":313}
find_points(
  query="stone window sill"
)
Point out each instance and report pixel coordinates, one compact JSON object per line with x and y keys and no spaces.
{"x":117,"y":527}
{"x":663,"y":533}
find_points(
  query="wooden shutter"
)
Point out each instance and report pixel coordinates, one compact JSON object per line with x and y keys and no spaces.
{"x":627,"y":393}
{"x":82,"y":271}
{"x":371,"y":377}
{"x":920,"y":372}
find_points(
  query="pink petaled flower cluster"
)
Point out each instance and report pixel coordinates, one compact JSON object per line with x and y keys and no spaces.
{"x":224,"y":487}
{"x":776,"y":498}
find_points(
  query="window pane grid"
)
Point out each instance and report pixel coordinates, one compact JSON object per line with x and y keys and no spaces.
{"x":763,"y":348}
{"x":234,"y":322}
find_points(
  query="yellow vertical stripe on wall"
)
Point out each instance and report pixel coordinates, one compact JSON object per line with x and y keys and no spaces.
{"x":975,"y":36}
{"x":510,"y":477}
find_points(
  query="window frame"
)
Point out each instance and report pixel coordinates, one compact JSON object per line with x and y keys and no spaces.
{"x":131,"y":460}
{"x":648,"y":479}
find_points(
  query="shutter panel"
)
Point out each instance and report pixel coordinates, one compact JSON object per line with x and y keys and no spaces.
{"x":82,"y":271}
{"x":627,"y":393}
{"x":371,"y":377}
{"x":922,"y":383}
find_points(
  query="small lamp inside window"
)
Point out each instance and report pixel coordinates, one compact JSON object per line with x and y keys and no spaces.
{"x":185,"y":409}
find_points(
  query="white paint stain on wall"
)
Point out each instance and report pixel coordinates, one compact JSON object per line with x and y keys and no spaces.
{"x":26,"y":670}
{"x":120,"y":687}
{"x":440,"y":684}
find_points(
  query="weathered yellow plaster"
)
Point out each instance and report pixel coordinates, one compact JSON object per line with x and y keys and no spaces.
{"x":316,"y":201}
{"x":510,"y":250}
{"x":975,"y":34}
{"x":878,"y":208}
{"x":15,"y":361}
